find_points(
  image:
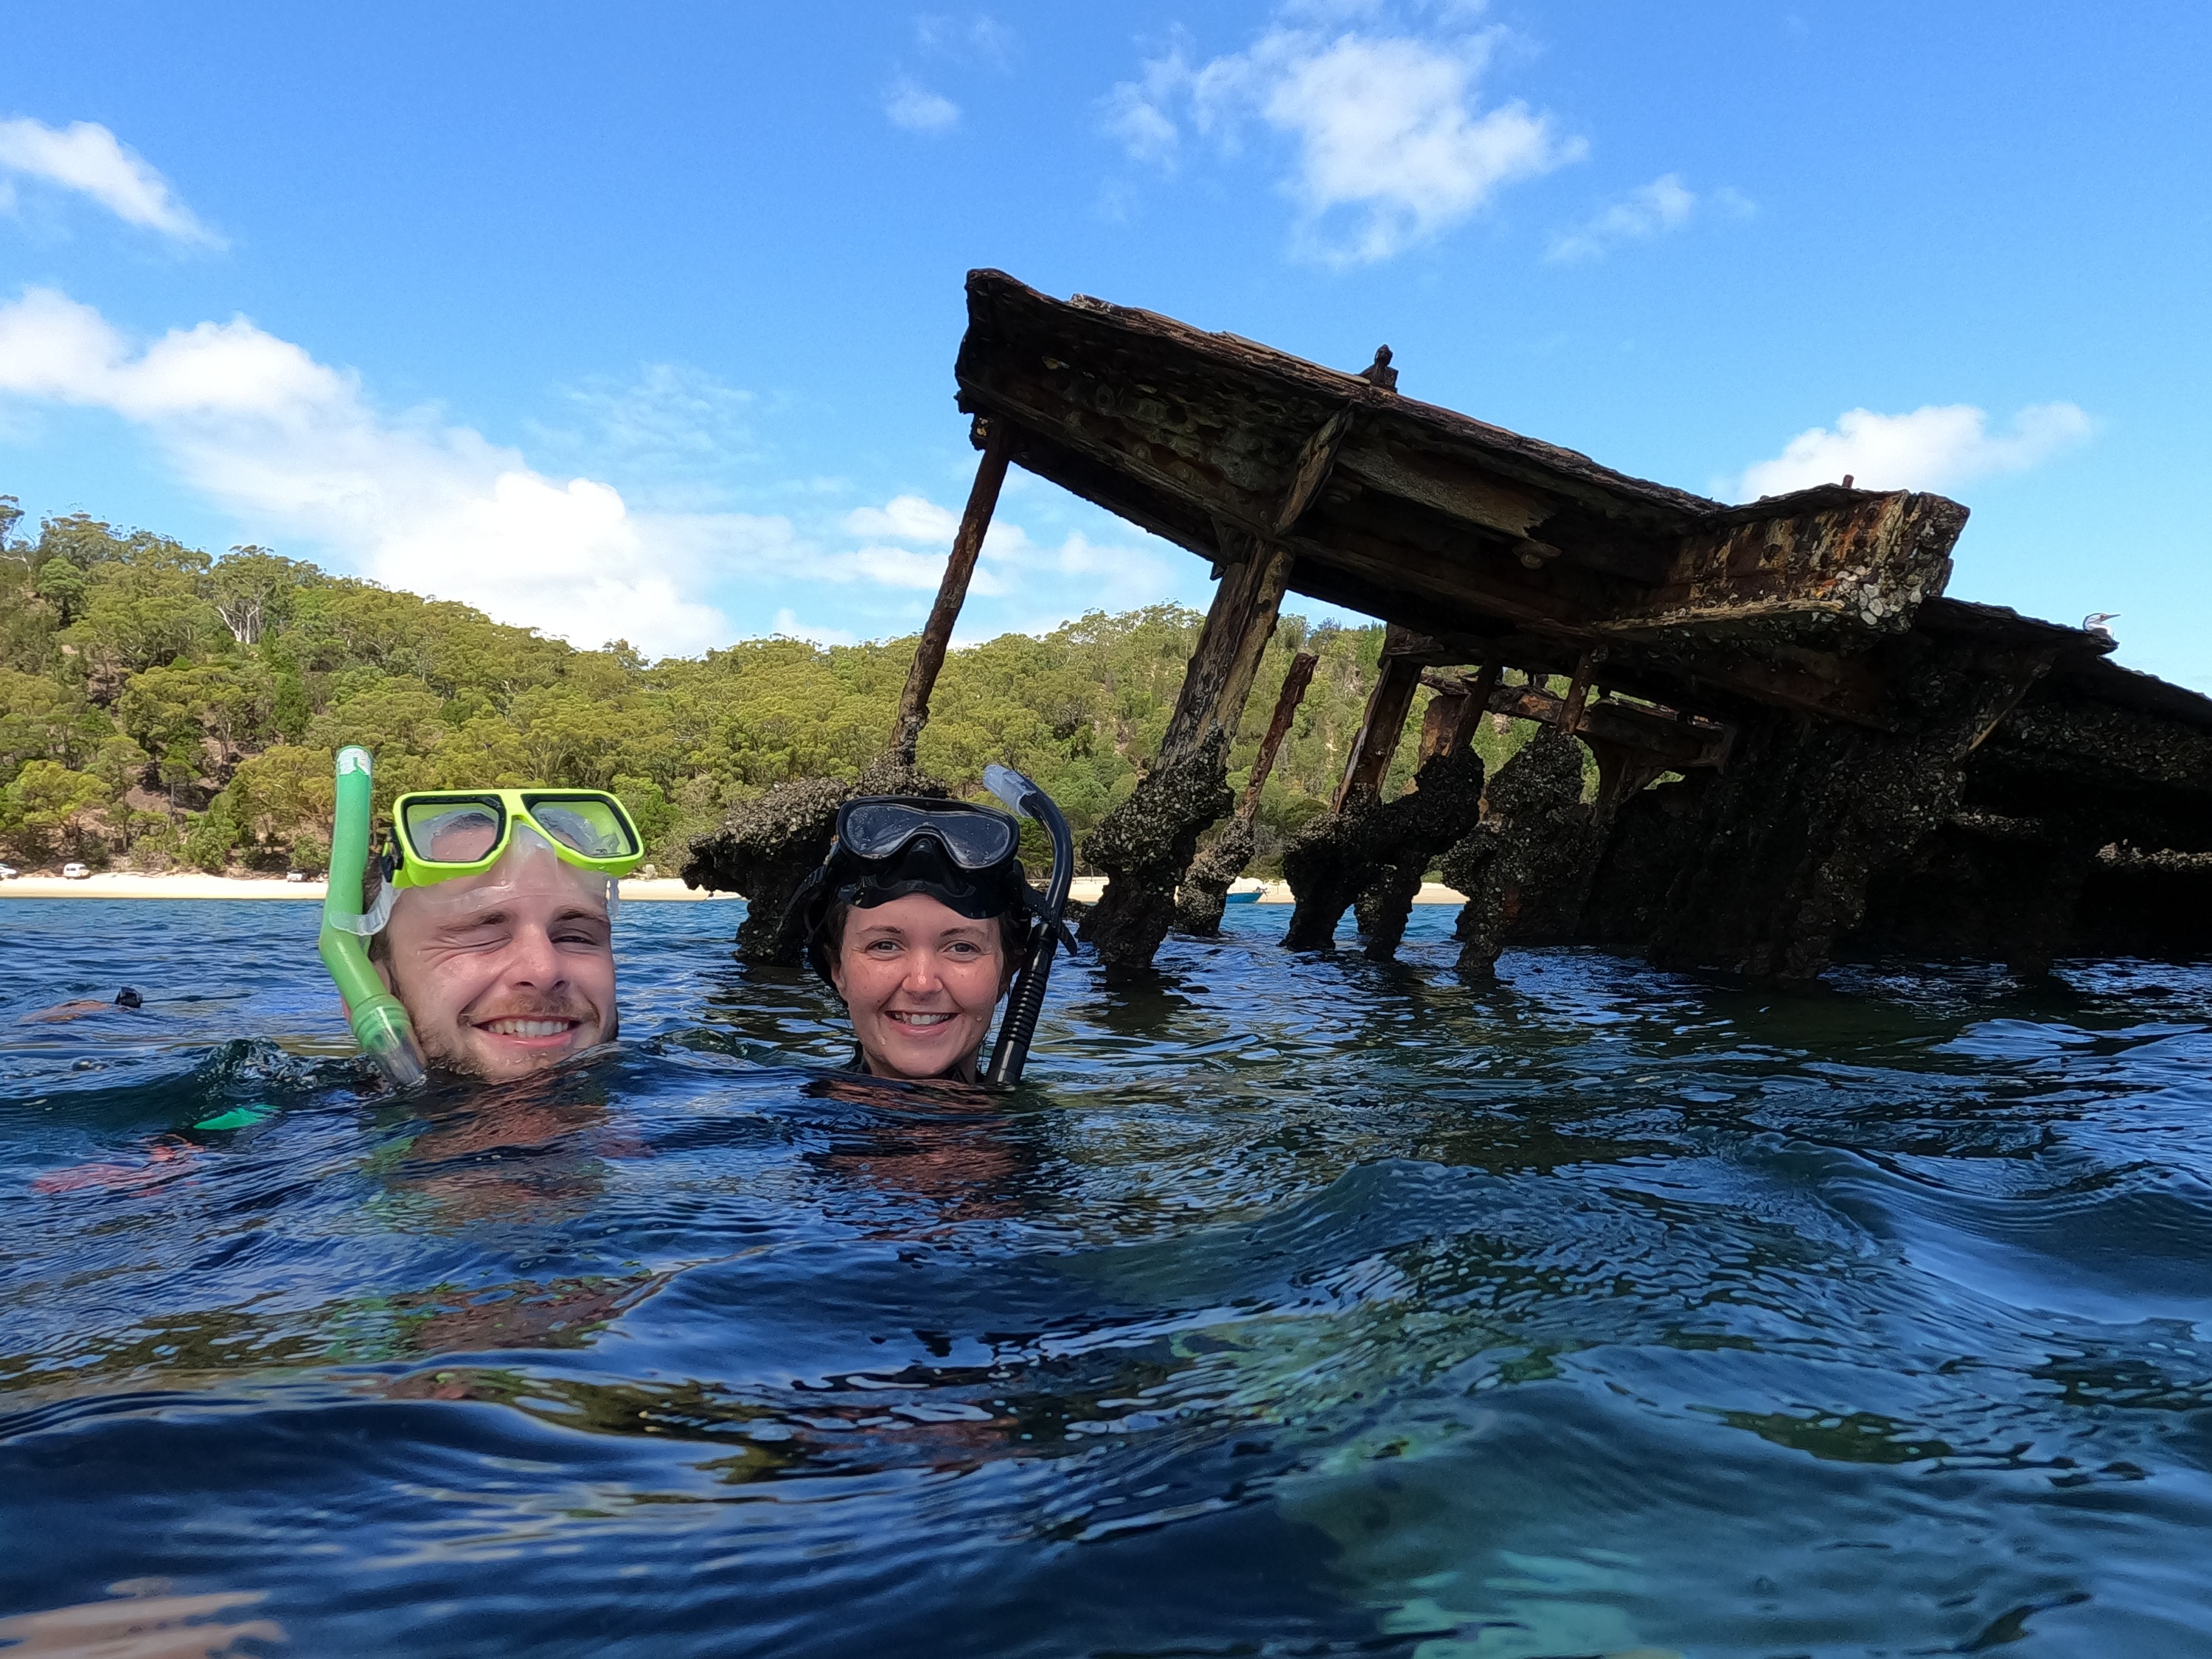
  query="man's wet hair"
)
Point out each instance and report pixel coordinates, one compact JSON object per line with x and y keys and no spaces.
{"x":372,"y":888}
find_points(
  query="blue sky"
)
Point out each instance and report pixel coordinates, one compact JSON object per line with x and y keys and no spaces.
{"x":641,"y":320}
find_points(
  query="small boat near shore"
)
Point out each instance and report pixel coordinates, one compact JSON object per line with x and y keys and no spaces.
{"x":1245,"y":889}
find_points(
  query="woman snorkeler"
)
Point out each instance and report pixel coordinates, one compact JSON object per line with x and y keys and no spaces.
{"x":920,"y":919}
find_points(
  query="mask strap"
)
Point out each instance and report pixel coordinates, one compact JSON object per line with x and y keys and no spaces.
{"x":370,"y":922}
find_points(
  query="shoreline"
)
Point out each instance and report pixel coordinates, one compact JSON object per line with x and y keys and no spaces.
{"x":183,"y":884}
{"x":1086,"y":889}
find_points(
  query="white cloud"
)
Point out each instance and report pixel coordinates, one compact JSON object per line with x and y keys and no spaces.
{"x":1142,"y":113}
{"x":296,"y":450}
{"x":917,"y":109}
{"x":1391,"y":147}
{"x":1092,"y":575}
{"x":787,"y":624}
{"x":980,"y":39}
{"x":906,"y":518}
{"x":86,"y":157}
{"x":1934,"y":447}
{"x":1663,"y":205}
{"x":255,"y":424}
{"x":918,"y":520}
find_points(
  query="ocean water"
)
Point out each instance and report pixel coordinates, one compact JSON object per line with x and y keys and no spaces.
{"x":1300,"y":1306}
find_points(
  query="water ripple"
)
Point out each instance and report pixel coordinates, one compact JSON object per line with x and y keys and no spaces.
{"x":1300,"y":1306}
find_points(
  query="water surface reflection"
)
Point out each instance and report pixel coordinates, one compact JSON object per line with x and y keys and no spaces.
{"x":1302,"y":1306}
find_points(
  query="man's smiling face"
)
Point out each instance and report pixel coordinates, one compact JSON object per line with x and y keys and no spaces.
{"x":506,"y":973}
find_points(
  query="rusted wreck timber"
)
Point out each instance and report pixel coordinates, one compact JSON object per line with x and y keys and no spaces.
{"x":1203,"y":894}
{"x":1865,"y":763}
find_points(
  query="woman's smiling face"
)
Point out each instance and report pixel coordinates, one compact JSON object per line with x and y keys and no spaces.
{"x":921,"y":981}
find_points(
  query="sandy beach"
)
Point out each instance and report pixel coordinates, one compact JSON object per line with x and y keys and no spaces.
{"x":1087,"y":889}
{"x":130,"y":884}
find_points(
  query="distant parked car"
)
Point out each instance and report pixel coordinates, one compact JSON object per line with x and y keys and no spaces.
{"x":8,"y":872}
{"x":293,"y":875}
{"x":74,"y":872}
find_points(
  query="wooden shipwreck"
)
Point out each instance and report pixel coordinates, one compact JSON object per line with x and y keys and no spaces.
{"x":1853,"y":760}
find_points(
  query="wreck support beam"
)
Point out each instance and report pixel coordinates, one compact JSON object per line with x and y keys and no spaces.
{"x":1204,"y":894}
{"x":1238,"y":625}
{"x":1374,"y":855}
{"x":1296,"y":678}
{"x":1396,"y":678}
{"x":1570,"y":716}
{"x":771,"y":844}
{"x":1455,"y":711}
{"x":1682,"y":744}
{"x":1147,"y":844}
{"x":1525,"y":866}
{"x":951,"y":591}
{"x":1621,"y":772}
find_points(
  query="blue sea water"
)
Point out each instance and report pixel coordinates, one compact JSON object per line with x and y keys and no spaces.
{"x":1301,"y":1306}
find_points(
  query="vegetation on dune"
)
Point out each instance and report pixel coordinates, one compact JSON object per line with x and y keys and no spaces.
{"x":159,"y":707}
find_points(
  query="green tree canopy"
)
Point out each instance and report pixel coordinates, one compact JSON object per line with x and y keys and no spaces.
{"x":176,"y":705}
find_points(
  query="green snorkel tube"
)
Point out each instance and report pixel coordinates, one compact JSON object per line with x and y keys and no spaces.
{"x":381,"y":1025}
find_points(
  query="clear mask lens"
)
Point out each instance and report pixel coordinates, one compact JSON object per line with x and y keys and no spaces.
{"x":453,"y":832}
{"x":976,"y":840}
{"x":583,"y":824}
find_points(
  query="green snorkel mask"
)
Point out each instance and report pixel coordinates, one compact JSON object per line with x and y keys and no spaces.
{"x":381,"y":1025}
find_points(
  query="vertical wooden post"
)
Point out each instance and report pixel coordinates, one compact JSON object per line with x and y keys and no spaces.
{"x":1203,"y":893}
{"x":1480,"y":689}
{"x":1570,"y":714}
{"x":952,"y":591}
{"x":1441,"y":724}
{"x":1295,"y":681}
{"x":1455,"y":712}
{"x":1145,"y":845}
{"x":1387,"y":704}
{"x":1238,"y":625}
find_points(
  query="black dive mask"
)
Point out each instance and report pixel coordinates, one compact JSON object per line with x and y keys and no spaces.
{"x":888,"y":846}
{"x":875,"y":828}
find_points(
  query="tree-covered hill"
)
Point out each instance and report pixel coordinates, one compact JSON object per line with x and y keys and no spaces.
{"x":160,"y":708}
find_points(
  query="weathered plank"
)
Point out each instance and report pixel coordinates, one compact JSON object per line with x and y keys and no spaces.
{"x":1388,"y":702}
{"x":1203,"y":893}
{"x":1296,"y":678}
{"x":1838,"y":554}
{"x":1237,"y":627}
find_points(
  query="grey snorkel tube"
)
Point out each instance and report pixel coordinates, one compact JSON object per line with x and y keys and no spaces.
{"x":1012,"y":1051}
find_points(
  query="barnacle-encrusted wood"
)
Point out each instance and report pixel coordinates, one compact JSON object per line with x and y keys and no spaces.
{"x":1850,"y":739}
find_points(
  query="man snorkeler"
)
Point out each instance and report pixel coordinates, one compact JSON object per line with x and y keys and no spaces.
{"x":920,"y":919}
{"x":481,"y":940}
